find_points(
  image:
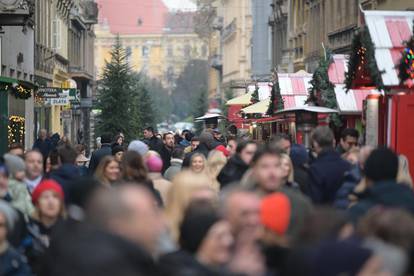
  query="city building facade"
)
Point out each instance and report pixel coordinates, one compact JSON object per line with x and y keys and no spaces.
{"x":17,"y":73}
{"x":236,"y":39}
{"x":159,"y":42}
{"x":64,"y":67}
{"x":302,"y":28}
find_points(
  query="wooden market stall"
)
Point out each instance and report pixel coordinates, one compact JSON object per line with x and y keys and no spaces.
{"x":377,"y":52}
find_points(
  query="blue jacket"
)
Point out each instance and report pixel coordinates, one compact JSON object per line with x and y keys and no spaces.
{"x":385,"y":194}
{"x":326,"y":175}
{"x":13,"y":264}
{"x":351,"y":180}
{"x":65,"y":175}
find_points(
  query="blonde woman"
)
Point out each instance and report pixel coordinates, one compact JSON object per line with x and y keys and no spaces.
{"x":108,"y":171}
{"x":186,"y":187}
{"x":286,"y":166}
{"x":198,"y":163}
{"x":215,"y":162}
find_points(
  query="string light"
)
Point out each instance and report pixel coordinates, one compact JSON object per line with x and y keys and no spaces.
{"x":16,"y":129}
{"x":409,"y":61}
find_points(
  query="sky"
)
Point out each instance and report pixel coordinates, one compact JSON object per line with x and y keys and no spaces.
{"x":180,"y":4}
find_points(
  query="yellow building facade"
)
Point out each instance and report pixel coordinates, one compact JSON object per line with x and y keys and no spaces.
{"x":161,"y":56}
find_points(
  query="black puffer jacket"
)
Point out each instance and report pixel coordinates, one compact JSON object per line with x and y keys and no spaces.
{"x":233,"y":171}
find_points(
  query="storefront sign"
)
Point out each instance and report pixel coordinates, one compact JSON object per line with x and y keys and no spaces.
{"x":49,"y":92}
{"x":59,"y":96}
{"x":58,"y":101}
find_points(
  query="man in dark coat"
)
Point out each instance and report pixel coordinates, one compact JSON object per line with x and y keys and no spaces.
{"x":327,"y":172}
{"x":166,"y":150}
{"x":206,"y":144}
{"x":151,"y":140}
{"x":68,"y":172}
{"x":381,"y":170}
{"x":97,"y":155}
{"x":118,"y":237}
{"x":43,"y":144}
{"x":238,"y":164}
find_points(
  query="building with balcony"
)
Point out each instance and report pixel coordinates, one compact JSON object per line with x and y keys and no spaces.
{"x":64,"y":60}
{"x":17,"y":73}
{"x":236,"y":39}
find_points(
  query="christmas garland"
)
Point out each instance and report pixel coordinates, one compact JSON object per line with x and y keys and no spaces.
{"x":363,"y":54}
{"x":406,"y":66}
{"x":275,"y":95}
{"x":17,"y":90}
{"x":16,"y":129}
{"x":255,"y":95}
{"x":321,"y":85}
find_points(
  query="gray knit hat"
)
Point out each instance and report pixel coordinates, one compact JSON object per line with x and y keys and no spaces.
{"x":14,"y":164}
{"x":139,"y":147}
{"x":10,"y":214}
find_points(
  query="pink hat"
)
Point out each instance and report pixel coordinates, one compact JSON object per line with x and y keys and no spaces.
{"x":154,"y":163}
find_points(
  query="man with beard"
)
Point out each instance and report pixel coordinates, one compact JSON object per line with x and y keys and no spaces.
{"x":166,"y":151}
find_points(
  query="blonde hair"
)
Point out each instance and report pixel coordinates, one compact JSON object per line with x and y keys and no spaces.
{"x":100,"y":170}
{"x":216,"y":161}
{"x":286,"y":157}
{"x":194,"y":156}
{"x":183,"y":187}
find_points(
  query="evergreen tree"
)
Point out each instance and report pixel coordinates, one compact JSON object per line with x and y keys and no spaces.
{"x":275,"y":97}
{"x":146,"y":107}
{"x":321,"y":84}
{"x":255,"y":95}
{"x":200,"y":108}
{"x":114,"y":98}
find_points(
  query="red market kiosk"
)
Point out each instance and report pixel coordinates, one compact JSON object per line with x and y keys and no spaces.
{"x":376,"y":54}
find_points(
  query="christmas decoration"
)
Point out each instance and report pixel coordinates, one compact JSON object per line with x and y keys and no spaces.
{"x":255,"y":95}
{"x":406,"y":67}
{"x":16,"y":129}
{"x":362,"y":63}
{"x":275,"y":96}
{"x":322,"y":92}
{"x":17,"y":90}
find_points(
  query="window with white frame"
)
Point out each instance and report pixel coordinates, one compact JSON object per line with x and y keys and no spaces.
{"x":56,"y":36}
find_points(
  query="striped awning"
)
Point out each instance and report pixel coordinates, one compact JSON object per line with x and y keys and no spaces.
{"x":389,"y":30}
{"x":351,"y":101}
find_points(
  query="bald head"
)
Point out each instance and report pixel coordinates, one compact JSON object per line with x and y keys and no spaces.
{"x":129,"y":211}
{"x":241,"y":209}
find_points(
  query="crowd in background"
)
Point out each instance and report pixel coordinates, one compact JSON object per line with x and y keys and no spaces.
{"x":181,"y":204}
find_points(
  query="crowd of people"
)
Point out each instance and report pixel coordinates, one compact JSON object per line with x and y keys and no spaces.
{"x":181,"y":204}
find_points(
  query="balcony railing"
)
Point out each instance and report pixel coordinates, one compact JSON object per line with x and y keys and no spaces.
{"x":229,"y":30}
{"x":44,"y":57}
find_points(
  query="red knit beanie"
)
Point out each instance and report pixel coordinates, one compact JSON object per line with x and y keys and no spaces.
{"x":223,"y":150}
{"x":47,"y":185}
{"x":275,"y":213}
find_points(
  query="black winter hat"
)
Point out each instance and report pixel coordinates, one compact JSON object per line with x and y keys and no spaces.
{"x":197,"y":222}
{"x":117,"y":149}
{"x":382,"y":164}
